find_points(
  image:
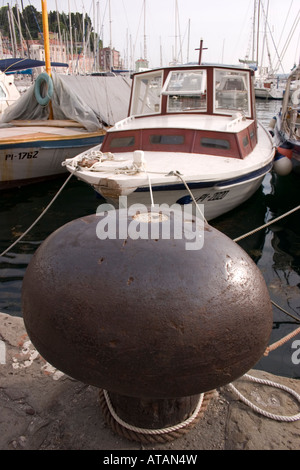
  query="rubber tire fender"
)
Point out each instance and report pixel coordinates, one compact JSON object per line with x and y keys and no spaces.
{"x":43,"y":77}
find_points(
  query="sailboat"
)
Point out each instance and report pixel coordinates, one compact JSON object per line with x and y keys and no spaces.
{"x":268,"y":84}
{"x":46,"y":125}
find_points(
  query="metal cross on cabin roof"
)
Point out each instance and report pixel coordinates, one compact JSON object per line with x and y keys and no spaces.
{"x":200,"y":49}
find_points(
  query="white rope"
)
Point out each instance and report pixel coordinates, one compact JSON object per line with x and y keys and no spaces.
{"x":153,"y":431}
{"x":39,"y":217}
{"x":150,"y":187}
{"x":263,"y":412}
{"x":177,"y":173}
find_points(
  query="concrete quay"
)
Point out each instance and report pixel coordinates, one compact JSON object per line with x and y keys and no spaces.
{"x":43,"y":409}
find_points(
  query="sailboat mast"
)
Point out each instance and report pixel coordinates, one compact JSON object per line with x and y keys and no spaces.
{"x":145,"y":42}
{"x":46,"y":37}
{"x":59,"y":32}
{"x":71,"y":35}
{"x":253,"y":31}
{"x":20,"y":30}
{"x":110,"y":38}
{"x":188,"y":42}
{"x":257,"y":41}
{"x":13,"y":31}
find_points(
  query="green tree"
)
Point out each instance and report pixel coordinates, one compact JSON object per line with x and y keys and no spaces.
{"x":32,"y":24}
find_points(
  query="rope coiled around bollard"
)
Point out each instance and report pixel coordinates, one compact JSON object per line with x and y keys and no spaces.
{"x":148,"y":436}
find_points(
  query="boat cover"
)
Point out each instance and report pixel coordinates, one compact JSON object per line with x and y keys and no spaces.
{"x":18,"y":64}
{"x":108,"y":96}
{"x":93,"y":101}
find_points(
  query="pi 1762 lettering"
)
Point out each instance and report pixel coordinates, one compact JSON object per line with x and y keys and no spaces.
{"x":21,"y":155}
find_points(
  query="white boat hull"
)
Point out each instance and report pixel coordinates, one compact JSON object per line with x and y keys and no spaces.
{"x":269,"y":94}
{"x":217,"y":200}
{"x":23,"y":163}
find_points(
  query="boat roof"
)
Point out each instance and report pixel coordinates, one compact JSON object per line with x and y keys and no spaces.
{"x":229,"y":123}
{"x":196,"y":66}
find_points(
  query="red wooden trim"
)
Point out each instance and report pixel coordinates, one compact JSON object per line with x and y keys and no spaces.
{"x":191,"y":144}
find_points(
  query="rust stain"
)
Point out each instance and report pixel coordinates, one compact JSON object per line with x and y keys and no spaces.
{"x":130,"y":280}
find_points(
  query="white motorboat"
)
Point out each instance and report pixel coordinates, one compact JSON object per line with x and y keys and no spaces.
{"x":189,"y":136}
{"x":269,"y":90}
{"x":286,"y":124}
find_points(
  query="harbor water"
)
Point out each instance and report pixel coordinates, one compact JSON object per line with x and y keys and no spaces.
{"x":275,"y":249}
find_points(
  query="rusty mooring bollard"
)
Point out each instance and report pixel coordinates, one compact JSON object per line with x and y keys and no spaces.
{"x":153,"y":323}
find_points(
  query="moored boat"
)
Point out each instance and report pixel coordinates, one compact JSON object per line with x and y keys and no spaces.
{"x":269,"y":89}
{"x":191,"y":131}
{"x":47,"y":124}
{"x":33,"y":147}
{"x":286,"y":124}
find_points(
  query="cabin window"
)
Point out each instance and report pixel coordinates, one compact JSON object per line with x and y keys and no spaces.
{"x":245,"y":141}
{"x":146,"y":97}
{"x":231,"y":91}
{"x":122,"y":142}
{"x":167,"y":139}
{"x":215,"y":143}
{"x":253,"y":137}
{"x":186,"y":91}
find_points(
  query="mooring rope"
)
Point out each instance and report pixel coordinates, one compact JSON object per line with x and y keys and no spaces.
{"x":275,"y":417}
{"x":153,"y":431}
{"x":266,"y":225}
{"x":282,"y":341}
{"x":169,"y":433}
{"x":285,"y":311}
{"x":152,"y":435}
{"x":177,"y":173}
{"x":39,"y":217}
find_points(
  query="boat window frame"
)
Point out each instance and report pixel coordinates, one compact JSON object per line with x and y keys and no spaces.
{"x":189,"y":94}
{"x":228,"y":111}
{"x":136,"y":93}
{"x":215,"y":143}
{"x":167,"y":139}
{"x":122,"y":138}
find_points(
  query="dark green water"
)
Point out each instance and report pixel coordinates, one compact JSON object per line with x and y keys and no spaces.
{"x":275,"y":250}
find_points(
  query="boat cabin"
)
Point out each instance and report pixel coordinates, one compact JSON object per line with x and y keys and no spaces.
{"x":196,"y":109}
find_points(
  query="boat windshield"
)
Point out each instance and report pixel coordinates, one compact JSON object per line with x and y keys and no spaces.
{"x":186,"y":91}
{"x":146,"y":93}
{"x":232,"y":92}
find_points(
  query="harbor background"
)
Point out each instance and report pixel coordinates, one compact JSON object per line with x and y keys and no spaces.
{"x":275,"y":250}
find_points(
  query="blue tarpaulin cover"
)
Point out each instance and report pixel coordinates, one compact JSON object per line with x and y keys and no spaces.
{"x":15,"y":65}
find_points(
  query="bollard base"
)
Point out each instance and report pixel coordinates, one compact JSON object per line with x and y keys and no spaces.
{"x":152,"y":420}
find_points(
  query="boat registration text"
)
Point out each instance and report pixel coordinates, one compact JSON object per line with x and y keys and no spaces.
{"x":21,"y":155}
